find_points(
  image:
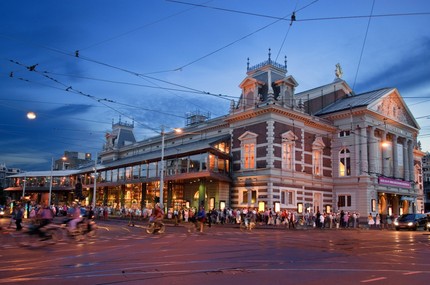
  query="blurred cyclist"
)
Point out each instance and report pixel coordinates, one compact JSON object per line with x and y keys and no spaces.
{"x":157,"y":215}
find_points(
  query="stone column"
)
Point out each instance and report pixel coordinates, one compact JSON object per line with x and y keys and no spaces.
{"x":356,"y":159}
{"x":405,"y":160}
{"x":270,"y":141}
{"x":364,"y":167}
{"x":395,"y":158}
{"x":411,"y":160}
{"x":385,"y":157}
{"x":372,"y":151}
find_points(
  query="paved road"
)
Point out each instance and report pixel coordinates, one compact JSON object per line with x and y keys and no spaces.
{"x":221,"y":255}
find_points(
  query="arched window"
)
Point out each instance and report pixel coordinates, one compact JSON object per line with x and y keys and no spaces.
{"x":344,"y":162}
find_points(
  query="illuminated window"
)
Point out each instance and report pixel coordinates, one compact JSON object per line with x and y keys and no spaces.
{"x":317,"y":156}
{"x":245,"y":194}
{"x":212,"y":159}
{"x":287,"y":155}
{"x":249,"y":155}
{"x":317,"y":162}
{"x":288,"y":141}
{"x":344,"y":162}
{"x":248,"y":150}
{"x":223,"y":147}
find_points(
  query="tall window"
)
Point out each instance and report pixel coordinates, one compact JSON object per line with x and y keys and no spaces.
{"x":287,"y":155}
{"x":287,"y":197}
{"x":344,"y":201}
{"x":288,"y":150}
{"x":344,"y":162}
{"x":249,"y":155}
{"x":317,"y":162}
{"x":248,"y":150}
{"x":245,"y":196}
{"x":317,"y":156}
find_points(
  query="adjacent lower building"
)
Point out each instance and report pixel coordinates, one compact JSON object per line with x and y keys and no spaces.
{"x":325,"y":149}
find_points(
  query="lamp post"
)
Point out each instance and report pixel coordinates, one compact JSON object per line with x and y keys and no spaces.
{"x":162,"y":168}
{"x":64,"y":158}
{"x":23,"y":187}
{"x":95,"y":182}
{"x":50,"y":182}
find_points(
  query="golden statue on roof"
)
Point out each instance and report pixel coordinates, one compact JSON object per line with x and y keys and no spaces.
{"x":338,"y":71}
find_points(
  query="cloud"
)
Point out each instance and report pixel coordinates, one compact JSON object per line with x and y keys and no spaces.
{"x":410,"y":71}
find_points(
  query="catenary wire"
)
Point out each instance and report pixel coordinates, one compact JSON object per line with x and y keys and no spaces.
{"x":362,"y":47}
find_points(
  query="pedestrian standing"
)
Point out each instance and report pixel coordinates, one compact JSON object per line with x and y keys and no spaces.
{"x":201,"y":217}
{"x":370,"y":220}
{"x":378,"y":221}
{"x":19,"y":213}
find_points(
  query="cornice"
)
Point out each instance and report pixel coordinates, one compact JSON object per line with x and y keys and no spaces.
{"x":288,"y":113}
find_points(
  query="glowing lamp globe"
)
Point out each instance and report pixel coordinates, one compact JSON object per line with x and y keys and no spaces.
{"x":31,"y":115}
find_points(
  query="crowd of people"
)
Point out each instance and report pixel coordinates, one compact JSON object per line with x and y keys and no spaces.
{"x":288,"y":219}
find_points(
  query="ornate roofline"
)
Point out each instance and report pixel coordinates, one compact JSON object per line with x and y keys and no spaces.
{"x":291,"y":114}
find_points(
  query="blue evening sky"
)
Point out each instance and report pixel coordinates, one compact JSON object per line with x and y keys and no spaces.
{"x":153,"y":61}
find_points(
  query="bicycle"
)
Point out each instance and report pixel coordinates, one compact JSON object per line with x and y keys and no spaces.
{"x":153,"y":228}
{"x":193,"y":225}
{"x":85,"y":228}
{"x":246,"y":224}
{"x":49,"y":234}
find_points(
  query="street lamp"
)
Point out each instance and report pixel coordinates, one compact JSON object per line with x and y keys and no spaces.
{"x":162,"y":168}
{"x":23,"y":187}
{"x":95,"y":182}
{"x":64,"y":158}
{"x":50,"y":182}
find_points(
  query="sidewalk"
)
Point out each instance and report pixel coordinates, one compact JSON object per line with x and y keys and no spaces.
{"x":171,"y":222}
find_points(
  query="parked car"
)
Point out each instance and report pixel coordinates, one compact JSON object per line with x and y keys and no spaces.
{"x":428,"y":221}
{"x":411,"y":222}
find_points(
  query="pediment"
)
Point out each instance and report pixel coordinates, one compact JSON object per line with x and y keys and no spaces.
{"x":289,"y":80}
{"x":392,"y":106}
{"x":248,"y":136}
{"x":318,"y":143}
{"x":249,"y":81}
{"x":289,"y":136}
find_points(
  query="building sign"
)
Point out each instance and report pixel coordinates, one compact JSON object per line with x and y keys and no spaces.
{"x":394,"y":182}
{"x":406,"y":198}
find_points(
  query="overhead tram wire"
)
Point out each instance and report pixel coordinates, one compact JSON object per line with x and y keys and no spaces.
{"x":145,"y":86}
{"x":364,"y":44}
{"x":253,"y":14}
{"x":99,"y":100}
{"x":285,"y":18}
{"x":293,"y":18}
{"x":139,"y":28}
{"x":305,"y":20}
{"x":141,"y":75}
{"x":68,"y":88}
